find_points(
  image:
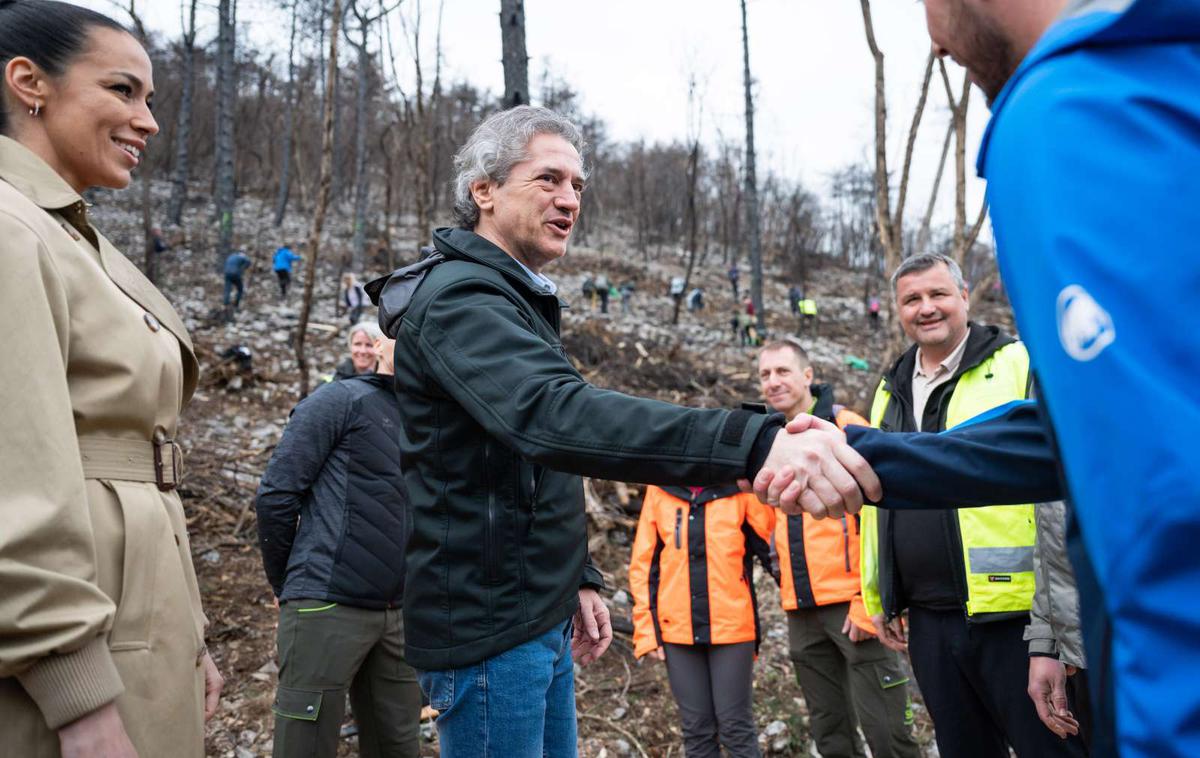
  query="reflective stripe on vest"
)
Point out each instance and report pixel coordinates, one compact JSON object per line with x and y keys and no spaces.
{"x":997,"y":540}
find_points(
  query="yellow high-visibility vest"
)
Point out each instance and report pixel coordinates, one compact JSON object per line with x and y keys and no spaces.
{"x":998,"y":540}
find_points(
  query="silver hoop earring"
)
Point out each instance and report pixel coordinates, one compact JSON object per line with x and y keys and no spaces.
{"x":35,"y":110}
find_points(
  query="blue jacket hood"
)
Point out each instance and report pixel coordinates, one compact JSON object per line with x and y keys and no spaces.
{"x":1087,"y":23}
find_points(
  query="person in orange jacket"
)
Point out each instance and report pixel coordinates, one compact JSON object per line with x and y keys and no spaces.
{"x":837,"y":657}
{"x":694,"y":606}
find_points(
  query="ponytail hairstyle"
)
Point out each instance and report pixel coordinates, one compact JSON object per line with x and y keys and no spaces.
{"x":47,"y":32}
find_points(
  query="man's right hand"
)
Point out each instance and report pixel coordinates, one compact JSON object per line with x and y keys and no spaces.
{"x":99,"y":734}
{"x":810,"y":468}
{"x":891,"y":633}
{"x":1048,"y":690}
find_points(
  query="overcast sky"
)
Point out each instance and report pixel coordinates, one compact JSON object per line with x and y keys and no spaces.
{"x":630,"y":61}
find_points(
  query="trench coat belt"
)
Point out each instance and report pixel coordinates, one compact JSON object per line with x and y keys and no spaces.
{"x":159,"y":461}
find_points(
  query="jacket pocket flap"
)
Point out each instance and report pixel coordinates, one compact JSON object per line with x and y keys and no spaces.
{"x":297,"y":704}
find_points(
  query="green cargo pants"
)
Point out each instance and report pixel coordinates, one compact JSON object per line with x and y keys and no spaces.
{"x":845,"y":683}
{"x":326,"y":649}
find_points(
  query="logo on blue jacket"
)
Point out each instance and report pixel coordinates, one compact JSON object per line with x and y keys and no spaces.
{"x":1084,"y":328}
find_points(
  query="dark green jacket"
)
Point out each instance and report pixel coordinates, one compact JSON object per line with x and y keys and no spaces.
{"x":498,"y":428}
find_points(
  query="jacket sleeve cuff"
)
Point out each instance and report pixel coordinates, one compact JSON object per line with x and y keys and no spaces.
{"x":1043,"y":647}
{"x":859,"y":617}
{"x":762,"y":444}
{"x":592,"y":578}
{"x":69,"y":686}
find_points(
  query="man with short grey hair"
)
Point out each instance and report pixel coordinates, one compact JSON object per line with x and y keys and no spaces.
{"x":926,"y":261}
{"x":965,"y":576}
{"x":499,"y":427}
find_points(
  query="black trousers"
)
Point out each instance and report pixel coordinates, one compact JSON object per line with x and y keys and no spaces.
{"x":285,"y":278}
{"x":1081,"y":705}
{"x":973,"y":678}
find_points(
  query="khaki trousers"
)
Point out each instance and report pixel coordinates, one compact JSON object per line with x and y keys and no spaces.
{"x":846,"y":683}
{"x":327,"y":649}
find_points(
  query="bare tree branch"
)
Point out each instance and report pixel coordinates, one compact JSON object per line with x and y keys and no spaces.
{"x":902,"y":191}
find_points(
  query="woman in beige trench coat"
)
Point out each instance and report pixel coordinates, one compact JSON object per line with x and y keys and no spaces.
{"x":101,"y":633}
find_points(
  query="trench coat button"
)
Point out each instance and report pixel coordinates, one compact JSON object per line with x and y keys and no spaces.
{"x":308,"y":708}
{"x":151,"y":321}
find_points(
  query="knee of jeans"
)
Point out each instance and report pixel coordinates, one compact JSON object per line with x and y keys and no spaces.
{"x":438,"y":686}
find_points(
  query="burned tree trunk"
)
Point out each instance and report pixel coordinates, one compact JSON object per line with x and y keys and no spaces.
{"x":752,"y":220}
{"x":516,"y":61}
{"x":360,"y":136}
{"x":226,"y":102}
{"x":692,"y":243}
{"x":183,"y":122}
{"x":322,"y":205}
{"x":289,"y":126}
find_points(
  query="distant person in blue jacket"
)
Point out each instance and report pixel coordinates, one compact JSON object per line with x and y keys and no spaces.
{"x":1092,"y":160}
{"x":235,"y":267}
{"x":284,"y":258}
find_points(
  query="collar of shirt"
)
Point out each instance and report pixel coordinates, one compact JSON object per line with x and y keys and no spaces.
{"x":948,"y":365}
{"x":538,"y":279}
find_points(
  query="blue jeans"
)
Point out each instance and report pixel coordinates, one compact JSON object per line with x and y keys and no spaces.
{"x":518,"y":704}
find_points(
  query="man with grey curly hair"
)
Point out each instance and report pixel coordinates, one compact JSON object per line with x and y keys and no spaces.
{"x":497,"y":145}
{"x":499,"y":428}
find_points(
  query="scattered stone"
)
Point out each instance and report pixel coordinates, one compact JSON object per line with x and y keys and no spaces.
{"x":247,"y":737}
{"x":622,"y":747}
{"x":212,"y":556}
{"x":619,"y":713}
{"x":620,"y":597}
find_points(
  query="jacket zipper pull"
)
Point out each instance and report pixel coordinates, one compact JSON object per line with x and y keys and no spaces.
{"x":678,"y":526}
{"x":846,"y":543}
{"x":533,"y":488}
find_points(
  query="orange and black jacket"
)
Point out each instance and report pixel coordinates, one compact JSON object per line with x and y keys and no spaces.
{"x":818,"y":559}
{"x":690,"y":571}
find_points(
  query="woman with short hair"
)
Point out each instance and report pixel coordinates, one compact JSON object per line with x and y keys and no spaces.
{"x":333,"y":521}
{"x":362,"y":359}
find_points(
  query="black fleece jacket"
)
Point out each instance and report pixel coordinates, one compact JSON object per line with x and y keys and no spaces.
{"x":499,"y":426}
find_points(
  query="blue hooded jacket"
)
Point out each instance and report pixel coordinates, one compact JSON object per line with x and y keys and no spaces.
{"x":1092,"y":159}
{"x":284,"y":258}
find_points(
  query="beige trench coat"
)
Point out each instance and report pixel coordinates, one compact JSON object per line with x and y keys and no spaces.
{"x":99,"y":597}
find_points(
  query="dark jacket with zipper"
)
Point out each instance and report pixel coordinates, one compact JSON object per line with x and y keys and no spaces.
{"x":333,"y":514}
{"x":498,"y":428}
{"x":920,"y":551}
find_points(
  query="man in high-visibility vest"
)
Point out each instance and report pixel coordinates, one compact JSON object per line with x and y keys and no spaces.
{"x":964,"y":575}
{"x":848,"y":677}
{"x":808,"y":314}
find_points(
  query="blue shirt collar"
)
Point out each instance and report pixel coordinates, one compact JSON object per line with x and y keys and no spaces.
{"x":538,"y":279}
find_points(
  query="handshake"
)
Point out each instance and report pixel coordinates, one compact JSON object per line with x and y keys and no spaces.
{"x":811,"y":469}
